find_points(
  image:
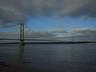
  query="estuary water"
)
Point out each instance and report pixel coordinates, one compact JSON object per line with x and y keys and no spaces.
{"x":54,"y":57}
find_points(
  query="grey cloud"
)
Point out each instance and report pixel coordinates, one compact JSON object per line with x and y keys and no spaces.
{"x":49,"y":34}
{"x":18,"y":10}
{"x":85,"y":31}
{"x":29,"y":35}
{"x":58,"y":30}
{"x":84,"y":34}
{"x":42,"y":35}
{"x":78,"y":8}
{"x":79,"y":34}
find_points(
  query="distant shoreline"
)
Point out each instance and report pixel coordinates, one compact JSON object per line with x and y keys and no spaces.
{"x":79,"y":42}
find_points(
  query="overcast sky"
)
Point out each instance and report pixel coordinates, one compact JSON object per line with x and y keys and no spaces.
{"x":49,"y":16}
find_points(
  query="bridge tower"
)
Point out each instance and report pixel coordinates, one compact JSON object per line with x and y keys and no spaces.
{"x":21,"y":51}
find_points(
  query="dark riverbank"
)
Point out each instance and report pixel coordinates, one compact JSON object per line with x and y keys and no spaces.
{"x":59,"y":42}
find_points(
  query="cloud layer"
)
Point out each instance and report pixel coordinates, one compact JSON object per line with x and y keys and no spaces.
{"x":18,"y":10}
{"x":79,"y":34}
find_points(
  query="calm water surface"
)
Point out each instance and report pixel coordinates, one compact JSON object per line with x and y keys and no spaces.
{"x":57,"y":57}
